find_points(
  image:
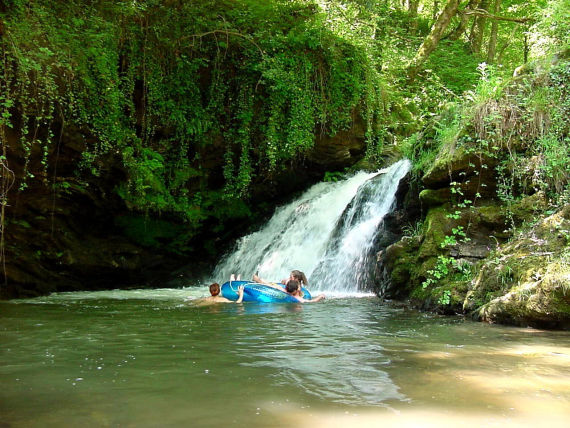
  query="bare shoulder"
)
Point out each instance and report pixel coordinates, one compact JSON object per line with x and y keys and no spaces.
{"x":210,"y":300}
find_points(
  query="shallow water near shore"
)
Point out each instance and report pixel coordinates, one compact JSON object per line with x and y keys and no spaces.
{"x":155,"y":358}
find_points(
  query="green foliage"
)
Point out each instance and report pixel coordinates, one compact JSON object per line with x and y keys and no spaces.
{"x":518,"y":123}
{"x":457,"y":235}
{"x":551,"y":32}
{"x":420,"y":153}
{"x":447,"y":268}
{"x":160,"y":89}
{"x":452,"y":67}
{"x":156,"y":87}
{"x":333,"y":176}
{"x":441,"y":270}
{"x":413,"y":230}
{"x":489,"y":86}
{"x":445,"y":298}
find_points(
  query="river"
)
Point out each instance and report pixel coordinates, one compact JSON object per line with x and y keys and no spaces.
{"x":148,"y":358}
{"x":156,"y":358}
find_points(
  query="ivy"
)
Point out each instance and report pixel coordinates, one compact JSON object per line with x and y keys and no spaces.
{"x":155,"y":88}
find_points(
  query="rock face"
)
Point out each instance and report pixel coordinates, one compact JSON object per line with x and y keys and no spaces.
{"x":470,"y":231}
{"x":462,"y":258}
{"x":528,"y":278}
{"x":463,"y":167}
{"x":405,"y":213}
{"x":73,"y":243}
{"x":65,"y":234}
{"x":343,"y":149}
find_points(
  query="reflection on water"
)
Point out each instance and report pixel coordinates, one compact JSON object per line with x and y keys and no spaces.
{"x":335,"y":365}
{"x":156,"y":359}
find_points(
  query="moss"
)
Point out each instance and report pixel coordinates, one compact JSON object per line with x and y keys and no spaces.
{"x":524,"y":281}
{"x":527,"y":208}
{"x":402,"y":270}
{"x":445,"y":297}
{"x":433,"y":198}
{"x":399,"y":260}
{"x":492,"y":215}
{"x":527,"y":281}
{"x":440,"y":170}
{"x":437,"y":226}
{"x":420,"y":295}
{"x":455,"y":164}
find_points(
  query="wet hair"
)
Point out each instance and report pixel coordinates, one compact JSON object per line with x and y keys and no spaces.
{"x":292,"y":286}
{"x":214,"y":289}
{"x":299,"y":276}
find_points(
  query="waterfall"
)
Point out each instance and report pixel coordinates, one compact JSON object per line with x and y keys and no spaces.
{"x":328,"y":233}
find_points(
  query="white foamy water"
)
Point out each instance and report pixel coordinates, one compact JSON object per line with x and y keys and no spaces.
{"x":327,"y":233}
{"x":155,"y":294}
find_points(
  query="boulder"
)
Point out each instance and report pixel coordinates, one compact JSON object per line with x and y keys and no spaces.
{"x":460,"y":165}
{"x":341,"y":150}
{"x":434,"y":198}
{"x":527,"y":281}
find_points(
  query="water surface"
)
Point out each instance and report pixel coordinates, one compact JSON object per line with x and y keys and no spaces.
{"x":155,"y":358}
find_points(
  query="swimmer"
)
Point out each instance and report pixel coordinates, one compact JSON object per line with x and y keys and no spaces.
{"x":295,"y":274}
{"x":293,"y":288}
{"x":216,"y":298}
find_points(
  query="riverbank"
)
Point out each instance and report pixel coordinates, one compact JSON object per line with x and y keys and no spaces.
{"x":491,"y":238}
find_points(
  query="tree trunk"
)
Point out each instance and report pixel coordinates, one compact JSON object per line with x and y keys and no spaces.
{"x":413,"y":7}
{"x":435,"y":9}
{"x":494,"y":30}
{"x":433,"y":38}
{"x":413,"y":13}
{"x":460,"y":29}
{"x":478,"y":29}
{"x":506,"y":44}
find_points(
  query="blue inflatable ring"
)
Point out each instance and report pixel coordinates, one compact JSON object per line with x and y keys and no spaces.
{"x":256,"y":292}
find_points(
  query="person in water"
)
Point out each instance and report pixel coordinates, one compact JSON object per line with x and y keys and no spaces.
{"x":216,"y":298}
{"x":293,"y":288}
{"x":296,"y":275}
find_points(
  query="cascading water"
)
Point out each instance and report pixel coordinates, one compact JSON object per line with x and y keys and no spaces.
{"x":347,"y":263}
{"x":328,"y":233}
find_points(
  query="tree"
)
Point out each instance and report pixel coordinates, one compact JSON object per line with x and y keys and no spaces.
{"x":430,"y":42}
{"x":492,"y":48}
{"x":413,"y":11}
{"x":478,"y":28}
{"x":460,"y":29}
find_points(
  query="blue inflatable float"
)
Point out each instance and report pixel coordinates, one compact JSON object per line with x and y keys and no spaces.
{"x":256,"y":292}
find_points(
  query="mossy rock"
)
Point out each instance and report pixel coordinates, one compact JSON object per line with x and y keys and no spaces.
{"x":527,"y":208}
{"x":434,"y":198}
{"x":457,"y":165}
{"x":437,"y":227}
{"x":444,"y":298}
{"x":399,"y":261}
{"x":527,"y":281}
{"x":543,"y":301}
{"x":492,"y":216}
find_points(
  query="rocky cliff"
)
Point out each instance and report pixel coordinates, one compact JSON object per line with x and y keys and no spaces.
{"x":492,"y":238}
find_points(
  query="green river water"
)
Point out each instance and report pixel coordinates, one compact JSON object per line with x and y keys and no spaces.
{"x":155,"y":358}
